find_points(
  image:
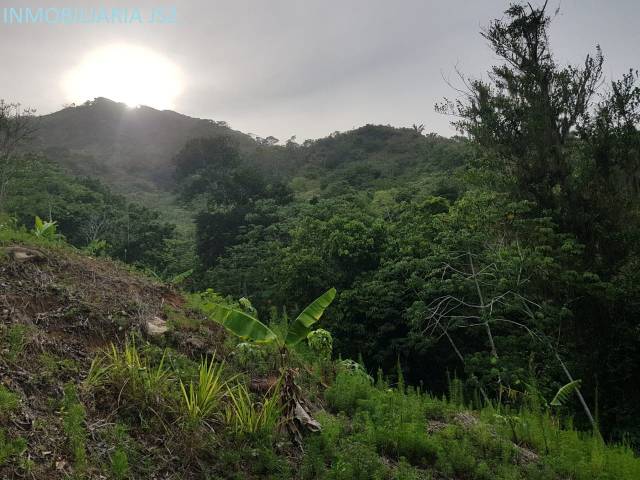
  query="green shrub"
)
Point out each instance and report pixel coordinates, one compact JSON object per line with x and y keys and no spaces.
{"x":320,"y":342}
{"x":347,"y":390}
{"x":357,"y":461}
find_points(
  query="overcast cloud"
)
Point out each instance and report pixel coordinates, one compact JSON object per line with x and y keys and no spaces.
{"x":307,"y":67}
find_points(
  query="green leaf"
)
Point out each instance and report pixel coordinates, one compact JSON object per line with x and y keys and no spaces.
{"x":181,"y":277}
{"x":300,"y":328}
{"x":39,"y":223}
{"x":564,"y":392}
{"x":241,"y":324}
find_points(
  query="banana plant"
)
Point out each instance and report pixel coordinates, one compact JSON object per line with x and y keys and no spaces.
{"x":44,"y":229}
{"x":249,"y":328}
{"x":294,"y":408}
{"x":564,"y":393}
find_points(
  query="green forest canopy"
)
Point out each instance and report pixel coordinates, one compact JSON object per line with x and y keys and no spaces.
{"x":505,"y":254}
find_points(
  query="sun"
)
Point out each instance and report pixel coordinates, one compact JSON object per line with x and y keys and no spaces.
{"x":125,"y":73}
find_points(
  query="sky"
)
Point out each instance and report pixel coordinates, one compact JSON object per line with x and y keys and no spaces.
{"x":287,"y":67}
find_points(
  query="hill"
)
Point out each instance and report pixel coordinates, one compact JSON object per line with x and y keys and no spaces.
{"x":129,"y":148}
{"x":102,"y":377}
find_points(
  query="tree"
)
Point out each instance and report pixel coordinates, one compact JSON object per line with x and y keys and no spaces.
{"x":16,"y":125}
{"x":560,"y":137}
{"x":525,"y":115}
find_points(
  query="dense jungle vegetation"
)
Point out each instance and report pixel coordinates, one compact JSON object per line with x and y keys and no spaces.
{"x":496,"y":270}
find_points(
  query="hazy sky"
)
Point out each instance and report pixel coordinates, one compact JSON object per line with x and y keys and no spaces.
{"x":303,"y":67}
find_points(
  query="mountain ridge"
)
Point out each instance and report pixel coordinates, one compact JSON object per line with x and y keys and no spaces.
{"x":130,"y":148}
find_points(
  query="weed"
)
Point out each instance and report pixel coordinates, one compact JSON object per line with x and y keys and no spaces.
{"x":124,"y":451}
{"x":181,"y":322}
{"x":53,"y":367}
{"x":10,"y":448}
{"x":133,"y":374}
{"x":404,"y":471}
{"x":17,"y":338}
{"x":9,"y":402}
{"x":348,"y":389}
{"x":73,"y":419}
{"x":97,"y":372}
{"x":119,"y":464}
{"x":356,"y":461}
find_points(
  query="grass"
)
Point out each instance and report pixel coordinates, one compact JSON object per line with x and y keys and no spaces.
{"x":201,"y":398}
{"x":252,"y":418}
{"x":9,"y":402}
{"x":17,"y":337}
{"x":10,"y":448}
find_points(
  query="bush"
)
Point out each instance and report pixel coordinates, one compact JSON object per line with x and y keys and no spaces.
{"x":356,"y":461}
{"x":347,"y":390}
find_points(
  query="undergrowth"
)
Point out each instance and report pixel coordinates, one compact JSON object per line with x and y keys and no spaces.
{"x":409,"y":434}
{"x":77,"y":402}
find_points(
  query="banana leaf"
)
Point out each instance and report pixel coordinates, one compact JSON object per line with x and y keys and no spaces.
{"x":241,"y":324}
{"x":301,"y":326}
{"x":564,"y":392}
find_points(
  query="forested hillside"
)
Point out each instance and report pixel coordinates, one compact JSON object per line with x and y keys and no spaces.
{"x":496,"y":269}
{"x":129,"y":147}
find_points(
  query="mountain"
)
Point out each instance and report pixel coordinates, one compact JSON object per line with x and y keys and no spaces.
{"x":129,"y":148}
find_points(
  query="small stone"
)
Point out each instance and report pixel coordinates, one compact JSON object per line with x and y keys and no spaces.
{"x":156,"y":327}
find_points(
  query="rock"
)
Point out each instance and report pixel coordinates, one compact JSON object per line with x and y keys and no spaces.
{"x":23,"y":254}
{"x":155,"y":327}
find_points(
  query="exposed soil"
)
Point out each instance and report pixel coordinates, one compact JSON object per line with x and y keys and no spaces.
{"x":59,"y":308}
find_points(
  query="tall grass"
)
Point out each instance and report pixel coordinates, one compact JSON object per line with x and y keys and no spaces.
{"x":248,"y":417}
{"x":135,"y":377}
{"x":202,"y":398}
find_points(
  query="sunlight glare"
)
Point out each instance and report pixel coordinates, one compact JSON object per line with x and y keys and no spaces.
{"x":125,"y":73}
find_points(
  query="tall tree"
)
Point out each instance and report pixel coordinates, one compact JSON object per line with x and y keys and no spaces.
{"x":525,"y":114}
{"x":16,"y":124}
